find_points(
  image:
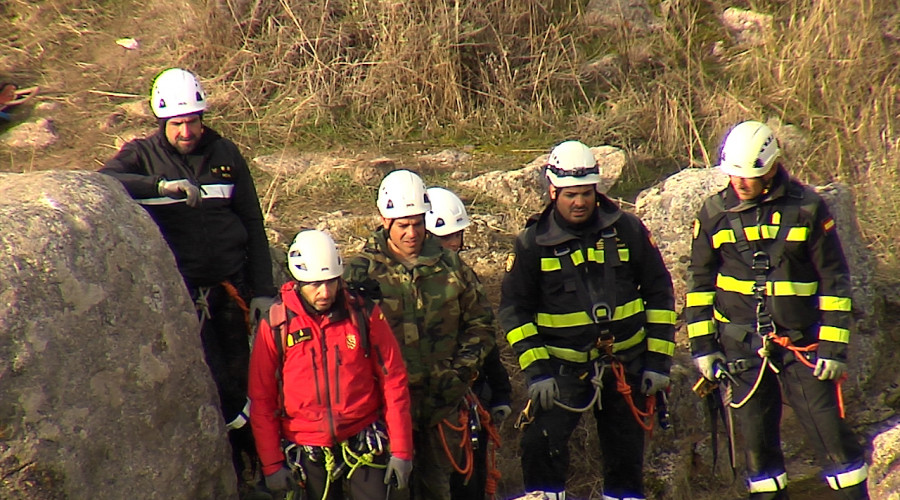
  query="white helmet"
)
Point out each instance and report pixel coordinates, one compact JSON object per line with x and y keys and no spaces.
{"x":572,"y":164}
{"x":447,"y":215}
{"x":176,"y":92}
{"x":749,"y":150}
{"x":313,"y":256}
{"x":402,"y":194}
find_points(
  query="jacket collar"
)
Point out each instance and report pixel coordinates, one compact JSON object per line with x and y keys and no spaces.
{"x":290,"y":295}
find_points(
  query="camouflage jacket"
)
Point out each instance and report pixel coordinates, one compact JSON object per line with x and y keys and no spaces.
{"x":440,"y":316}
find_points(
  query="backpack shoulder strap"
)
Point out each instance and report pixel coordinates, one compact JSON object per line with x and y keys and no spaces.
{"x":279,"y":319}
{"x":361,"y":308}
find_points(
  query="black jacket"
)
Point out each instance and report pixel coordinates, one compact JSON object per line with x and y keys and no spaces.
{"x":808,"y":289}
{"x":216,"y":240}
{"x":558,"y":275}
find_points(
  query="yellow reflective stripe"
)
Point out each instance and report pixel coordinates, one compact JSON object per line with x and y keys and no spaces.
{"x":550,"y":264}
{"x":720,"y":317}
{"x":698,"y":299}
{"x":700,"y":328}
{"x":630,"y":342}
{"x":520,"y":333}
{"x":798,"y":234}
{"x":834,"y":334}
{"x":768,"y":484}
{"x":776,"y":218}
{"x":754,"y":233}
{"x":661,"y":316}
{"x":722,"y":237}
{"x":628,"y":310}
{"x":830,"y":303}
{"x":661,"y":346}
{"x":579,"y":318}
{"x":773,"y":288}
{"x":577,"y":258}
{"x":624,"y":255}
{"x":729,"y":284}
{"x":595,"y":255}
{"x":848,"y":478}
{"x":792,"y":288}
{"x":572,"y":355}
{"x":531,"y":355}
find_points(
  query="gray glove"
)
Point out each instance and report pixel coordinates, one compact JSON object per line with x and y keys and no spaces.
{"x":399,"y":469}
{"x":259,"y":308}
{"x":500,"y":412}
{"x":707,"y":363}
{"x":178,"y":189}
{"x":543,"y":392}
{"x":653,"y":382}
{"x":829,"y":369}
{"x":280,"y":480}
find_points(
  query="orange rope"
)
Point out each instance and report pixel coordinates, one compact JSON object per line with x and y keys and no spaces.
{"x":787,"y":344}
{"x":236,"y":296}
{"x":622,"y":386}
{"x":465,"y":443}
{"x":493,"y":473}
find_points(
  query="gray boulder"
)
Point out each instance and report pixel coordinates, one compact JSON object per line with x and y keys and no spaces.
{"x":105,"y":391}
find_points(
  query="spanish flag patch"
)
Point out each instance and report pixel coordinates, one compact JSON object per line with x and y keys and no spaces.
{"x":828,"y":225}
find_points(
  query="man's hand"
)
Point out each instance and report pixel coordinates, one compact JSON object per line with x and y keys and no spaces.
{"x":707,"y":364}
{"x":829,"y":369}
{"x":500,"y":412}
{"x":653,"y":382}
{"x":259,"y":309}
{"x":280,"y":480}
{"x":543,"y":392}
{"x":399,"y":469}
{"x":178,"y":189}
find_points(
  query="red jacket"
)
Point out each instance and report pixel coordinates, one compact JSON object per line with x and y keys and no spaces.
{"x":332,"y":397}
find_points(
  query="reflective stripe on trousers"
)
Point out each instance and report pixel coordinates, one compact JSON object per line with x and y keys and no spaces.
{"x":768,"y":484}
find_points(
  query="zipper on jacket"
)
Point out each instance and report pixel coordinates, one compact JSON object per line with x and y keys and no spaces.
{"x":328,"y":406}
{"x":316,"y":376}
{"x":337,"y":374}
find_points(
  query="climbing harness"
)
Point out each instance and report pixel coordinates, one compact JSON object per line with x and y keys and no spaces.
{"x":359,"y":451}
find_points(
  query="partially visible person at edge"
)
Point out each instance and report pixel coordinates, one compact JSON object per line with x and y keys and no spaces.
{"x":440,"y":317}
{"x":447,"y":221}
{"x":11,"y":95}
{"x":767,"y":274}
{"x":327,"y":379}
{"x":587,"y":304}
{"x":197,"y":187}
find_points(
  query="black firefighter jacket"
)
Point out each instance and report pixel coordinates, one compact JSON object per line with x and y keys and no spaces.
{"x":557,"y":284}
{"x":216,"y":240}
{"x":807,"y":289}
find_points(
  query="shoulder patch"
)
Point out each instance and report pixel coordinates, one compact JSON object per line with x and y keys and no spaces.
{"x":828,"y":224}
{"x":510,"y":260}
{"x":696,"y":228}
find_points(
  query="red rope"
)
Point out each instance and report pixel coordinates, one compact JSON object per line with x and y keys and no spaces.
{"x":788,"y":344}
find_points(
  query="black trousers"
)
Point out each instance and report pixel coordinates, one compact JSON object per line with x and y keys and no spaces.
{"x":815,"y":404}
{"x":226,"y":350}
{"x":545,"y":450}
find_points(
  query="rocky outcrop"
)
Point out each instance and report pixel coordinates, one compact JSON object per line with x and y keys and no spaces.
{"x":104,"y":388}
{"x":37,"y":134}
